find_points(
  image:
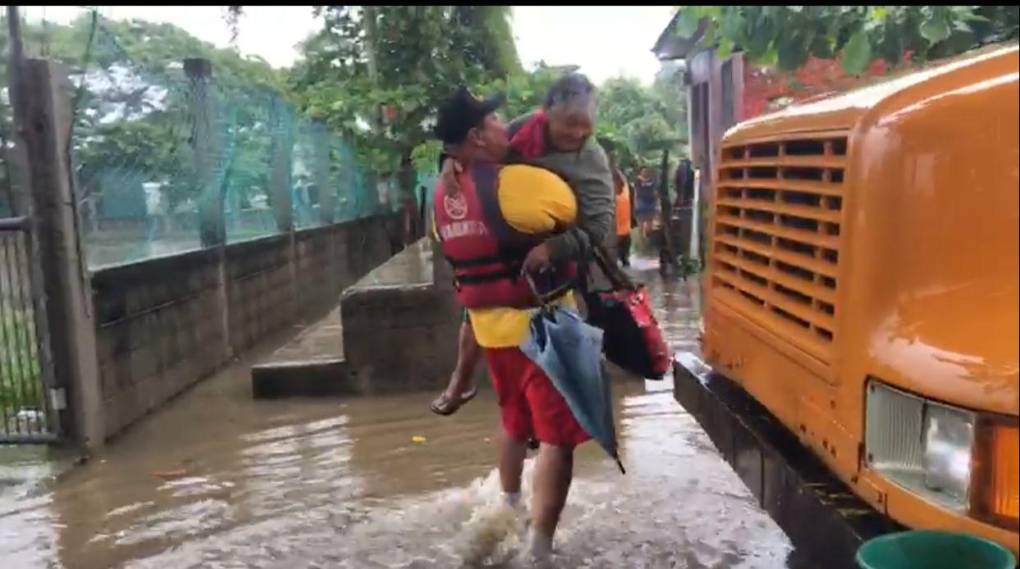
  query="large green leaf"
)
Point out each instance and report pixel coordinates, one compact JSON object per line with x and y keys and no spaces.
{"x":821,"y":46}
{"x":792,"y":52}
{"x":725,"y":48}
{"x":935,"y":29}
{"x":765,"y":32}
{"x":891,"y":48}
{"x":857,"y":53}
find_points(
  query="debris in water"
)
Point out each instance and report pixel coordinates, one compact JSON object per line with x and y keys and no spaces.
{"x":170,"y":474}
{"x":418,"y":439}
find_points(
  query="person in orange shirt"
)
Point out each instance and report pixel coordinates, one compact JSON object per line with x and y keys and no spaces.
{"x":624,"y":217}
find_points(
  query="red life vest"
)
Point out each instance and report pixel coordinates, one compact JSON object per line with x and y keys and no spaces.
{"x":485,"y":251}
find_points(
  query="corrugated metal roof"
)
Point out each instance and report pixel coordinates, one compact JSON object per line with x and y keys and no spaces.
{"x":671,"y":45}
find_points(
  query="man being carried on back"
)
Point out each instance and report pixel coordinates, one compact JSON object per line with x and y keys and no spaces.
{"x":491,"y":229}
{"x":557,"y":137}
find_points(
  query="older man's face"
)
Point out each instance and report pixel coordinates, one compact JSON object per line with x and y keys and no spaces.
{"x":570,"y":126}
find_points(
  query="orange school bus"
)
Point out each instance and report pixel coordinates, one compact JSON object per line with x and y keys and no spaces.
{"x":862,"y":285}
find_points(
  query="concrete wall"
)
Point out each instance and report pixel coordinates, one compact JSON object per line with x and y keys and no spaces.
{"x":400,"y":324}
{"x":260,"y":289}
{"x":165,"y":323}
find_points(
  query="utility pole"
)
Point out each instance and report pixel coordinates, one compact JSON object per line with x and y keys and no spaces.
{"x":19,"y":195}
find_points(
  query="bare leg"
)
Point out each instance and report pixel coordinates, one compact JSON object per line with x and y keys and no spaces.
{"x":468,"y":355}
{"x":554,"y":471}
{"x":624,"y":249}
{"x":459,"y":386}
{"x":511,"y":462}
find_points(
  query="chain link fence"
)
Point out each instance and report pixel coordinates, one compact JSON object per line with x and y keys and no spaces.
{"x":157,"y":151}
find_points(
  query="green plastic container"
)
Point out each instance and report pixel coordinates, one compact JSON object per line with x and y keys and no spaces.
{"x":924,"y":549}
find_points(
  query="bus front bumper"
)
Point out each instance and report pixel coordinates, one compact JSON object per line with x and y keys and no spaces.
{"x":823,"y":518}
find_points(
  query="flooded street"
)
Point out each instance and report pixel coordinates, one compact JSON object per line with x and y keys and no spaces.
{"x":217,"y":479}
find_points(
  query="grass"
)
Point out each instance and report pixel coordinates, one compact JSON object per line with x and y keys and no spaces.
{"x":20,"y":385}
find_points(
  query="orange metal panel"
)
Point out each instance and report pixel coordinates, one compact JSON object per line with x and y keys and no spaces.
{"x":925,"y":287}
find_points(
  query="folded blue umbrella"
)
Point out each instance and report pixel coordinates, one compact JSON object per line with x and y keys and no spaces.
{"x":569,"y":351}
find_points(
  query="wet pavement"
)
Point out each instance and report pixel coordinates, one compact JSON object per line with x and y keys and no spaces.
{"x":216,"y":479}
{"x":321,"y":340}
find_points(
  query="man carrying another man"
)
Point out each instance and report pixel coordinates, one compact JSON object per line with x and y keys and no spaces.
{"x":557,"y":137}
{"x":493,"y":228}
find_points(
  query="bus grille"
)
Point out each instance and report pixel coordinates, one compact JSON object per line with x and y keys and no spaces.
{"x":776,"y":246}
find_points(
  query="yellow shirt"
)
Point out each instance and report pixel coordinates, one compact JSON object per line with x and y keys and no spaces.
{"x":532,"y":200}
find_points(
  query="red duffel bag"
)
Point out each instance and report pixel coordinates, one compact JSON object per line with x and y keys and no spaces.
{"x":632,"y":337}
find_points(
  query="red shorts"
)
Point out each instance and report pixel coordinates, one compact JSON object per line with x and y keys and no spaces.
{"x":529,"y":403}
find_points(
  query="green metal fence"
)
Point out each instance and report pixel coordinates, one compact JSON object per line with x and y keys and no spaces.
{"x":155,"y":147}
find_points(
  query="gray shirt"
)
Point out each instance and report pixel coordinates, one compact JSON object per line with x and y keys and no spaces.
{"x":587,"y":172}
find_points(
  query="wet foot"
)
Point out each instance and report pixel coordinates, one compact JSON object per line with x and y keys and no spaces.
{"x":448,"y":403}
{"x":537,"y":549}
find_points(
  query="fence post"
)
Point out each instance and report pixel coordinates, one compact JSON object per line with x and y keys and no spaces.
{"x":323,"y":158}
{"x":211,"y":226}
{"x":281,"y":152}
{"x":61,"y":283}
{"x":207,"y":145}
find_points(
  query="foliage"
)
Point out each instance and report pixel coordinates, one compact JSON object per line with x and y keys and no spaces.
{"x":635,"y":122}
{"x":375,"y":73}
{"x":131,"y":119}
{"x":787,"y":35}
{"x":425,"y":157}
{"x":640,"y":122}
{"x":150,"y":47}
{"x":525,"y":92}
{"x":19,"y":366}
{"x":233,"y":18}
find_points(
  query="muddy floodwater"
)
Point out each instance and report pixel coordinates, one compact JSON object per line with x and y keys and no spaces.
{"x":217,"y":480}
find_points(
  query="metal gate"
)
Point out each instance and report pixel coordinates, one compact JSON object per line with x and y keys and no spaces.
{"x":26,"y":411}
{"x":32,"y":410}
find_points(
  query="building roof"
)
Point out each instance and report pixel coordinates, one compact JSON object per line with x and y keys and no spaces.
{"x":980,"y":67}
{"x":671,"y":45}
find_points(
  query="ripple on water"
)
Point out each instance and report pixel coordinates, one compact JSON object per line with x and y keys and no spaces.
{"x":317,"y":483}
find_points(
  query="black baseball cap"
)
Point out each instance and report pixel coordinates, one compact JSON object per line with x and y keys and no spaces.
{"x":462,"y":112}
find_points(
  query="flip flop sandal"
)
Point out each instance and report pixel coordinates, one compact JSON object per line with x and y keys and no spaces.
{"x":446,"y":406}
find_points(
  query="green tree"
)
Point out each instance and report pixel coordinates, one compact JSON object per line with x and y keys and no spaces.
{"x":787,"y":35}
{"x":132,"y":117}
{"x":376,"y":73}
{"x":640,"y":122}
{"x":525,"y":91}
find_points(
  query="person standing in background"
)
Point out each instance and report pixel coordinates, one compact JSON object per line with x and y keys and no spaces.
{"x":646,"y":204}
{"x":684,"y":184}
{"x":409,"y":211}
{"x":624,"y":218}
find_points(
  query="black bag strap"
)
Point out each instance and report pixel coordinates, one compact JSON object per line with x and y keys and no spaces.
{"x":617,"y":277}
{"x":604,"y":259}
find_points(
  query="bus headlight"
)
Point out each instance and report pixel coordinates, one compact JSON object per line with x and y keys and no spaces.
{"x":948,"y":448}
{"x":924,"y":446}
